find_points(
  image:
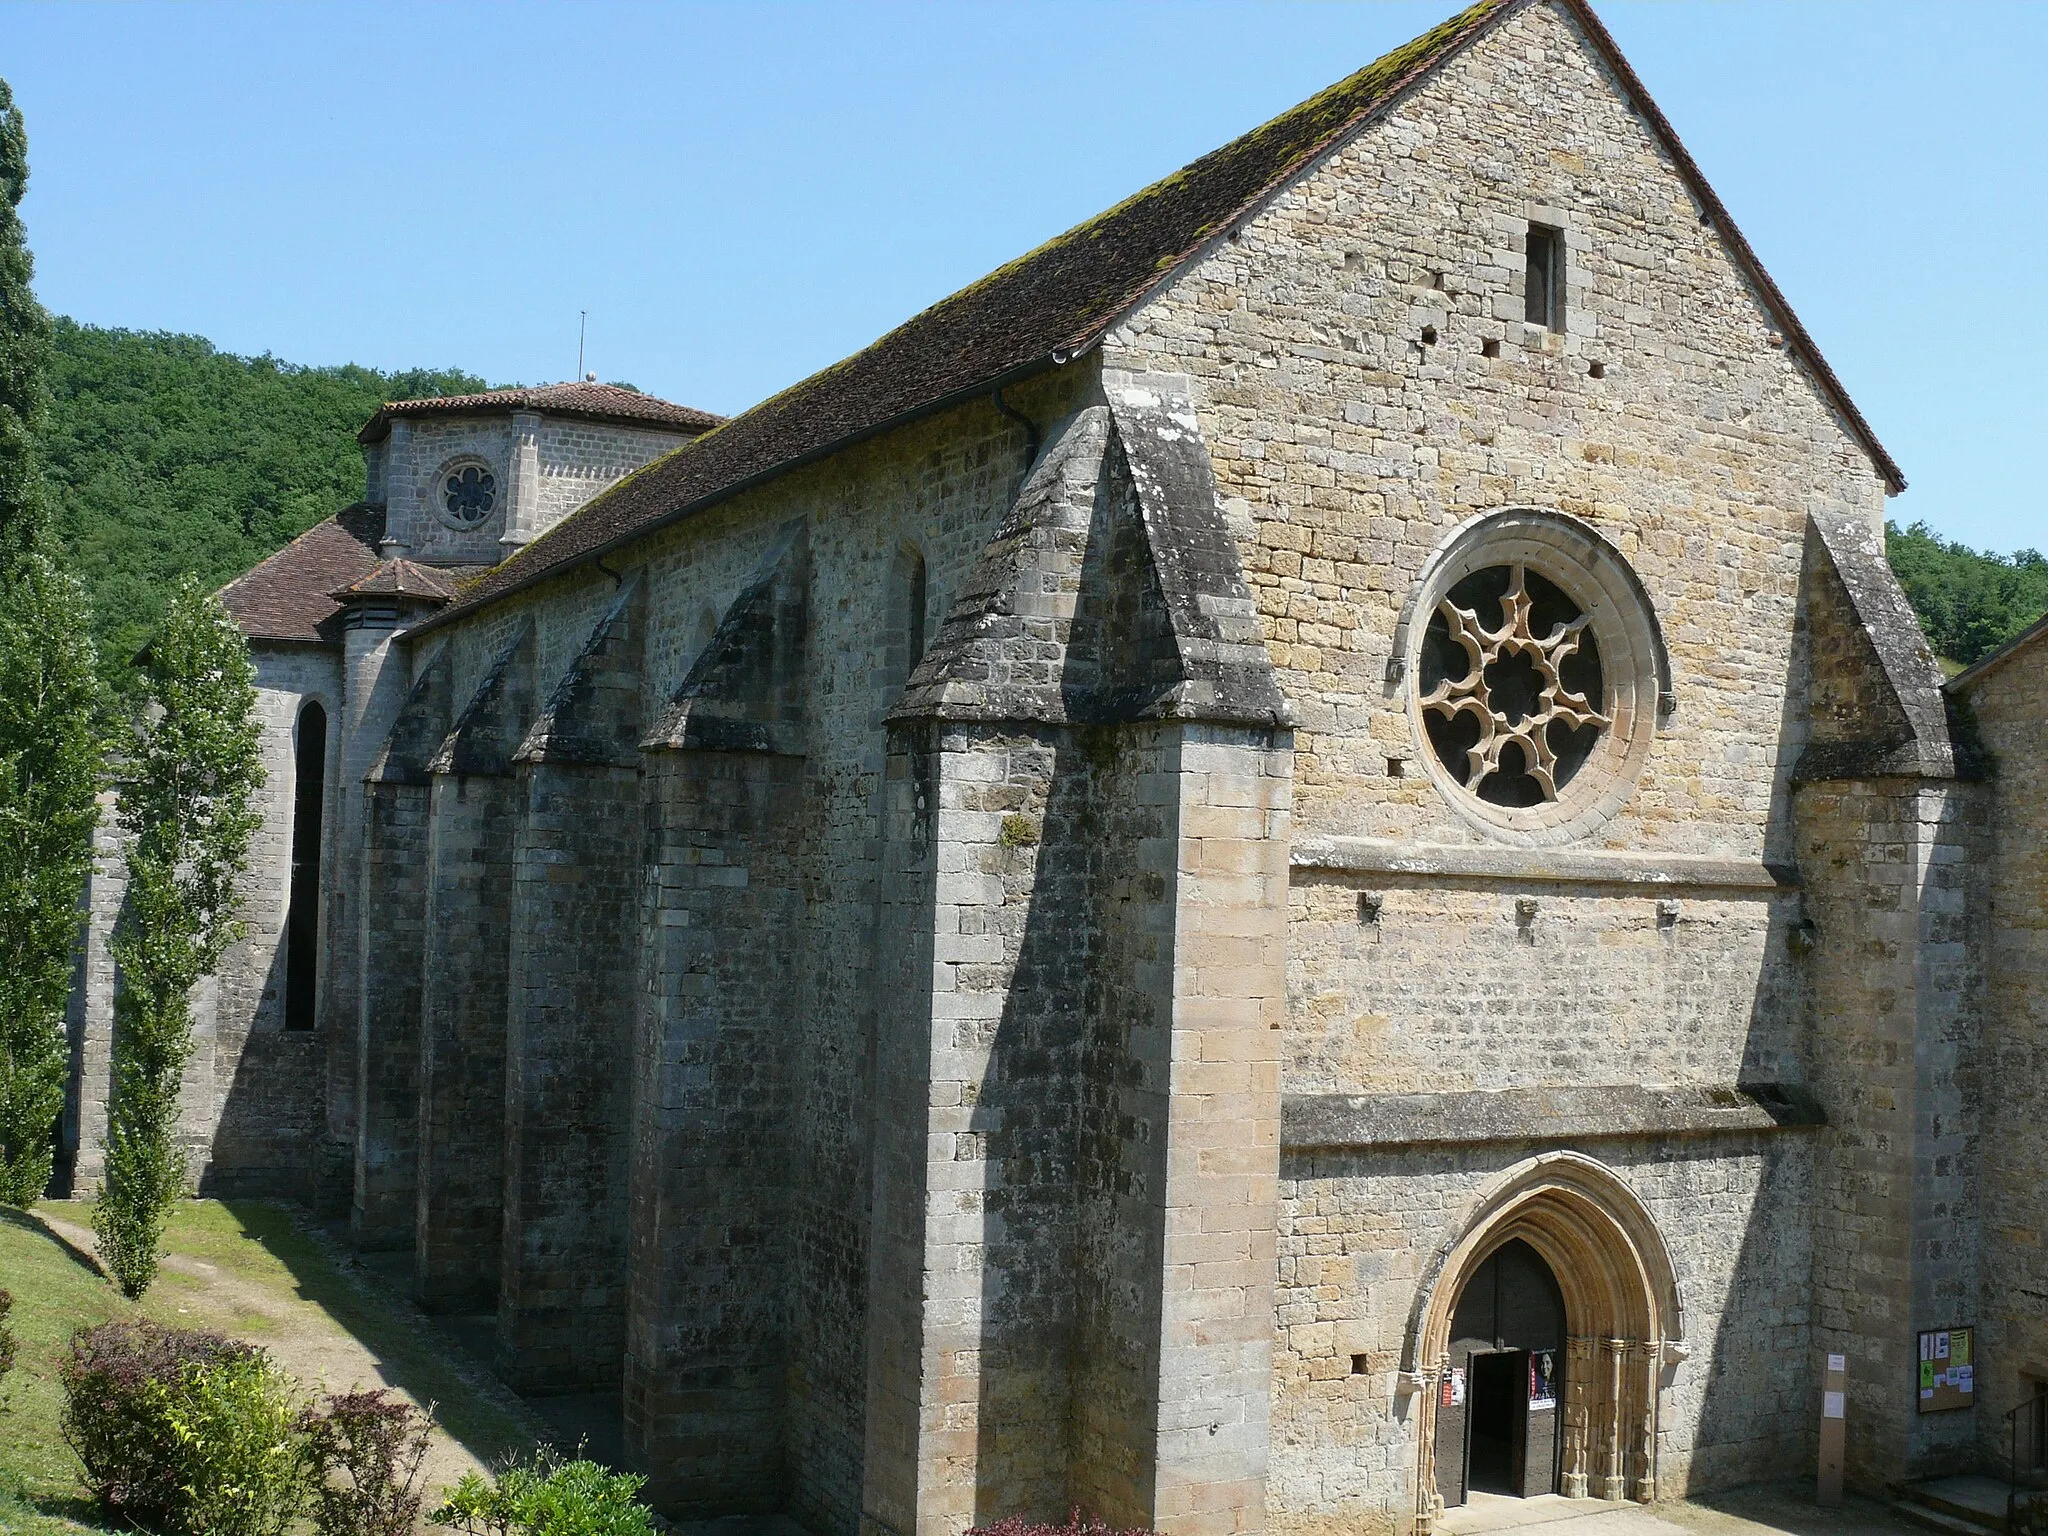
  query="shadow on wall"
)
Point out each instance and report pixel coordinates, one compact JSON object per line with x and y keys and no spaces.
{"x":266,"y":1142}
{"x":1758,"y":1418}
{"x":1072,"y":1109}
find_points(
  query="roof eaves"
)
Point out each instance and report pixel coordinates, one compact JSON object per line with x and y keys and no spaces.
{"x":1774,"y":299}
{"x":463,"y":603}
{"x":1978,"y":670}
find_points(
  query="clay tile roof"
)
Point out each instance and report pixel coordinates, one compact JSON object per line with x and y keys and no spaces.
{"x":595,"y":402}
{"x":404,"y":578}
{"x":290,"y":596}
{"x":1054,"y":303}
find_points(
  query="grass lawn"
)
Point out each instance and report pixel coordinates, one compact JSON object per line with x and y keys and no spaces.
{"x":239,"y":1267}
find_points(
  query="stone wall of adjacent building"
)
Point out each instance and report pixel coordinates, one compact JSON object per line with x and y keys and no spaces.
{"x":252,"y":1107}
{"x":577,"y":459}
{"x":420,"y":449}
{"x":2008,"y":704}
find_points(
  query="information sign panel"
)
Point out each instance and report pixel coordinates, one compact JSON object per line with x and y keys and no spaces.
{"x":1948,"y":1369}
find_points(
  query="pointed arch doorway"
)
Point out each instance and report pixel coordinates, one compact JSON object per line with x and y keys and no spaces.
{"x":1560,"y":1258}
{"x":1496,"y":1429}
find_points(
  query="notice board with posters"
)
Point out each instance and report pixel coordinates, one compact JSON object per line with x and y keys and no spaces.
{"x":1948,"y":1369}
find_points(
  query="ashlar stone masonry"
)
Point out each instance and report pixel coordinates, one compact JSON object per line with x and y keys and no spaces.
{"x":1294,"y":860}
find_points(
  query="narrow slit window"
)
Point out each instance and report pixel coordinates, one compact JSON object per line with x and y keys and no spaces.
{"x":915,"y":601}
{"x":1545,"y":285}
{"x":302,"y":915}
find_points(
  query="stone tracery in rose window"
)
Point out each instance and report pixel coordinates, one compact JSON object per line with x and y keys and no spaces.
{"x":1512,"y":694}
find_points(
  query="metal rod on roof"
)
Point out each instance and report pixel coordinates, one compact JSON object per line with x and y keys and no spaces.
{"x":582,"y":320}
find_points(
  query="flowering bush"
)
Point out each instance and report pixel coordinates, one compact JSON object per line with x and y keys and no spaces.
{"x":366,"y":1450}
{"x":1077,"y":1525}
{"x":184,"y":1432}
{"x":9,"y":1344}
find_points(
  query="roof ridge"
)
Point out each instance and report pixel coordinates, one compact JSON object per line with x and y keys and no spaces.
{"x":569,"y":397}
{"x":979,"y":360}
{"x":1045,"y":307}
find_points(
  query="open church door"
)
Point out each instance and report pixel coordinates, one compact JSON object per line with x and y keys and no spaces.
{"x":1497,"y":1417}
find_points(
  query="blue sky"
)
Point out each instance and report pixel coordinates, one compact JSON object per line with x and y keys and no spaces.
{"x":740,"y":195}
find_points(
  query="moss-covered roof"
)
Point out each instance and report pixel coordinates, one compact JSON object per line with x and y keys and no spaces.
{"x":590,"y":401}
{"x":1056,"y":301}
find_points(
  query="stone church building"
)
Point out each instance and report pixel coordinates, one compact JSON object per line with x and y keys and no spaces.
{"x":1292,"y":861}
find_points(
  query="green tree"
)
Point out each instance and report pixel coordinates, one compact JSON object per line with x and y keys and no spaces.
{"x":51,"y":741}
{"x":52,"y":765}
{"x":165,"y":457}
{"x":1969,"y":602}
{"x":24,"y":344}
{"x":185,"y":811}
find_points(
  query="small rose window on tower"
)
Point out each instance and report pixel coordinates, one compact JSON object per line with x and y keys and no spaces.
{"x":468,"y":494}
{"x":1512,"y":694}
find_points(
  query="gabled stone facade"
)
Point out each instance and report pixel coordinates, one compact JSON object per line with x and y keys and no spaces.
{"x":1029,"y":923}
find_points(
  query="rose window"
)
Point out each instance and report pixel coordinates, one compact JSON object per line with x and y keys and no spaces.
{"x":1510,"y":689}
{"x":469,"y":493}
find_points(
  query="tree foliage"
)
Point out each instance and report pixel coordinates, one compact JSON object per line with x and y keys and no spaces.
{"x":165,"y":458}
{"x":24,"y":345}
{"x":52,"y":764}
{"x":185,"y":811}
{"x":1969,"y":602}
{"x":51,"y":735}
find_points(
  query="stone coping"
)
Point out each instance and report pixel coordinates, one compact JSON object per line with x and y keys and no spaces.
{"x":1586,"y":1113}
{"x":1661,"y":871}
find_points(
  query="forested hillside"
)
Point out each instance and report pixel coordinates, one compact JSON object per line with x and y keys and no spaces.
{"x":164,"y":455}
{"x":1969,"y":602}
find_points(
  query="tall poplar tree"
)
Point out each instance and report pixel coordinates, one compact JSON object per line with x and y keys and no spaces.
{"x":24,"y":347}
{"x":186,"y":789}
{"x":52,"y":752}
{"x":52,"y":742}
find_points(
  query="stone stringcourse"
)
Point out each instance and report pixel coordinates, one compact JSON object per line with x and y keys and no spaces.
{"x":939,"y":944}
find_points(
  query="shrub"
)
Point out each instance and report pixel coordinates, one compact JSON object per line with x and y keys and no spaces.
{"x":184,"y":1432}
{"x":9,"y":1345}
{"x":1077,"y":1525}
{"x":548,"y":1497}
{"x":366,"y":1452}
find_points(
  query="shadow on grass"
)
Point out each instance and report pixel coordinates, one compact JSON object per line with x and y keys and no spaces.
{"x":24,"y":1222}
{"x":408,"y":1354}
{"x":261,"y":1244}
{"x":38,"y":1493}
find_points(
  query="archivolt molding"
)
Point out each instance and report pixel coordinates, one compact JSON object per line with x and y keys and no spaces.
{"x":1624,"y":1318}
{"x":1594,"y":1206}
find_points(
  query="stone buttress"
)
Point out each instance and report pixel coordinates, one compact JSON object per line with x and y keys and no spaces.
{"x":706,"y":1324}
{"x":569,"y":999}
{"x":1076,"y":1105}
{"x":391,"y":947}
{"x":1890,"y":831}
{"x":473,"y":811}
